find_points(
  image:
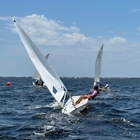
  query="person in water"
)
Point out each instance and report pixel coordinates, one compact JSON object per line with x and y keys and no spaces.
{"x":88,"y":96}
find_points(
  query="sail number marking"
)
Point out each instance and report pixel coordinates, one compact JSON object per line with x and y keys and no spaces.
{"x":31,"y":54}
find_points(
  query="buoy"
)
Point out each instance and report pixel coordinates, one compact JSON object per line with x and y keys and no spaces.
{"x":8,"y":83}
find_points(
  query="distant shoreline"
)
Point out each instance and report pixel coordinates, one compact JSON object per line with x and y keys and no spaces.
{"x":73,"y":77}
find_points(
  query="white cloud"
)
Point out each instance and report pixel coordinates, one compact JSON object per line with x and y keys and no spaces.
{"x":4,"y":18}
{"x":81,"y":48}
{"x":135,"y":10}
{"x":49,"y":32}
{"x":45,"y":31}
{"x":73,"y":28}
{"x":117,"y":40}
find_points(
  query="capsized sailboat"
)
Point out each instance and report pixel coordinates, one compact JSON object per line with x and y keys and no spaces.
{"x":49,"y":76}
{"x":98,"y":64}
{"x":37,"y":76}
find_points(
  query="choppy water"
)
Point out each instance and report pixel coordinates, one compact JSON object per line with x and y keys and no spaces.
{"x":25,"y":112}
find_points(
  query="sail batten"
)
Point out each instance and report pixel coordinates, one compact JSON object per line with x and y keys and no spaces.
{"x":46,"y":71}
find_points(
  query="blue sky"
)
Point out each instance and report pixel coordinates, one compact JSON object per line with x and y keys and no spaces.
{"x":72,"y":32}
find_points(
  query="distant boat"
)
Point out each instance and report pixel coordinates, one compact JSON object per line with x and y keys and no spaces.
{"x":50,"y":77}
{"x":98,"y":64}
{"x":37,"y":76}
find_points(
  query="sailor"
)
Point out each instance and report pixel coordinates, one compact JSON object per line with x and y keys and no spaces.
{"x":42,"y":83}
{"x":107,"y":85}
{"x":36,"y":82}
{"x":88,"y":96}
{"x":101,"y":85}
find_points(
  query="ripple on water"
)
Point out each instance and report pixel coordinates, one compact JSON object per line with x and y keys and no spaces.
{"x":25,"y":112}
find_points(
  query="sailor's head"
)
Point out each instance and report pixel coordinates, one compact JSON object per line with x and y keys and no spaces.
{"x":95,"y":87}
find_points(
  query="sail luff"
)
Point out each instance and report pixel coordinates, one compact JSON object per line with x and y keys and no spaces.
{"x":48,"y":75}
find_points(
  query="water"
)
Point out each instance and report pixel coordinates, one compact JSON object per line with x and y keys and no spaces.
{"x":25,"y":113}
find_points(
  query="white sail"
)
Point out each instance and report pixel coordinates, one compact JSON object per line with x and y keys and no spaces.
{"x":98,"y":66}
{"x":46,"y":71}
{"x":36,"y":74}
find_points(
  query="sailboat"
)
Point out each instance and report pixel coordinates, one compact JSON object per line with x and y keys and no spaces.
{"x":50,"y":77}
{"x":98,"y":70}
{"x":37,"y":76}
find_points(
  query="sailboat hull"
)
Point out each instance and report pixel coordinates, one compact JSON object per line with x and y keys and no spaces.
{"x":104,"y":89}
{"x":70,"y":108}
{"x":39,"y":85}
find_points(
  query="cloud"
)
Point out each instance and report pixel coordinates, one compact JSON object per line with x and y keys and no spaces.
{"x":49,"y":32}
{"x":81,"y":49}
{"x":5,"y":18}
{"x":135,"y":10}
{"x":117,"y":40}
{"x":45,"y":31}
{"x":68,"y":40}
